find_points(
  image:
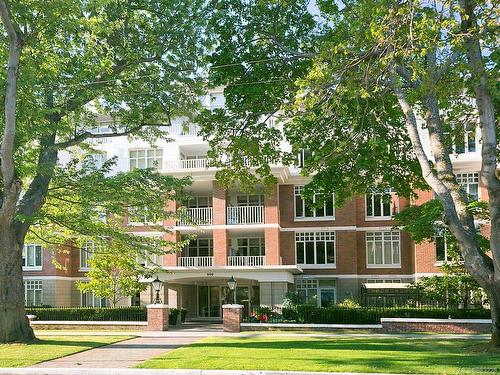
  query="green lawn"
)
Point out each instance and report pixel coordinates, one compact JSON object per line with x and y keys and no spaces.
{"x":50,"y":347}
{"x":418,"y":356}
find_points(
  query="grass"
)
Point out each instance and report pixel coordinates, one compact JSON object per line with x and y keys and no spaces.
{"x":50,"y":347}
{"x":416,"y":356}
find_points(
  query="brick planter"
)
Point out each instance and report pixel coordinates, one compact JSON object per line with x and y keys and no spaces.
{"x":436,"y":325}
{"x":231,"y":318}
{"x":158,"y":317}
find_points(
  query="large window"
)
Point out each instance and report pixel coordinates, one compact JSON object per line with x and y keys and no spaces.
{"x":250,"y":200}
{"x":302,"y":157}
{"x":466,"y":141}
{"x":441,"y":250}
{"x":32,"y":257}
{"x":308,"y":209}
{"x":383,"y":249}
{"x":199,"y":202}
{"x":249,"y":247}
{"x":33,"y":292}
{"x":470,"y":183}
{"x":317,"y":248}
{"x":321,"y":293}
{"x":199,"y":247}
{"x":150,"y":158}
{"x":88,"y":299}
{"x":86,"y":253}
{"x":379,"y":205}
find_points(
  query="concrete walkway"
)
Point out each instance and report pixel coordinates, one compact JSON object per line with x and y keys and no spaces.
{"x":107,"y":371}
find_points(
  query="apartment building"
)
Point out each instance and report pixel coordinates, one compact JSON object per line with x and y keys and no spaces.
{"x":270,"y":243}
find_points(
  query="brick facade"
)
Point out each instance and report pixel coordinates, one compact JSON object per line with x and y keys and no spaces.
{"x":232,"y":316}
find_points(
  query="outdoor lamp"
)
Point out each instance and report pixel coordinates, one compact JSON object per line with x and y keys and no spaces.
{"x":157,"y":284}
{"x":231,"y":283}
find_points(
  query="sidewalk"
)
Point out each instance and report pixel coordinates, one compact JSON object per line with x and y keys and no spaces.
{"x":116,"y":371}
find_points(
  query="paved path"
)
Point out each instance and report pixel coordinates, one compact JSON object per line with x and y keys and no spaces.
{"x":107,"y":371}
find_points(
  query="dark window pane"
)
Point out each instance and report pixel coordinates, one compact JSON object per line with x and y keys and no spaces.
{"x":299,"y":210}
{"x":329,"y":206}
{"x":309,"y":208}
{"x":440,"y":249}
{"x":386,"y":205}
{"x":309,"y":252}
{"x":330,"y":252}
{"x":320,"y":252}
{"x":369,"y":205}
{"x":300,"y":252}
{"x":377,"y":198}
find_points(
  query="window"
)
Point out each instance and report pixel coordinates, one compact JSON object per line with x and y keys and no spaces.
{"x":250,"y":200}
{"x":88,"y":299}
{"x":441,"y":250}
{"x":383,"y":249}
{"x":321,"y":293}
{"x":199,"y":202}
{"x":199,"y":247}
{"x":466,"y":141}
{"x":306,"y":208}
{"x":316,"y":248}
{"x":383,"y":281}
{"x":379,"y":204}
{"x":32,"y":256}
{"x":249,"y":247}
{"x":33,"y":292}
{"x":150,"y":260}
{"x":150,"y":158}
{"x":86,"y":253}
{"x":470,"y":183}
{"x":302,"y":157}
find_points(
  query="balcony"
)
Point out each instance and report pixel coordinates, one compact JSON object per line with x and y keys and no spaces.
{"x":189,"y":164}
{"x":246,"y":261}
{"x":184,"y":129}
{"x":245,"y":215}
{"x":196,"y":216}
{"x":195,"y":262}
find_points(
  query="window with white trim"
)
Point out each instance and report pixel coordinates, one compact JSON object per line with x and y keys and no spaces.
{"x":441,"y":248}
{"x":315,"y":248}
{"x":86,"y":253}
{"x":32,"y":256}
{"x":199,"y":247}
{"x":250,"y":200}
{"x":147,"y":158}
{"x":466,"y":141}
{"x":33,"y":292}
{"x":383,"y":248}
{"x":379,"y":204}
{"x":321,"y":293}
{"x":306,"y":208}
{"x":252,"y":246}
{"x":199,"y":202}
{"x":302,"y":157}
{"x":383,"y":281}
{"x":88,"y":299}
{"x":470,"y":183}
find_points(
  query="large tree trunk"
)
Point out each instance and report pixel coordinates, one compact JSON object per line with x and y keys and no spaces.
{"x":14,"y":326}
{"x":494,"y":297}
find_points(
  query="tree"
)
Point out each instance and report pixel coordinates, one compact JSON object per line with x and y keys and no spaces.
{"x":135,"y":60}
{"x":364,"y":85}
{"x":115,"y":273}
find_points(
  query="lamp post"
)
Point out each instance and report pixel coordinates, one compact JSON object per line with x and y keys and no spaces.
{"x":231,"y":283}
{"x":157,"y":284}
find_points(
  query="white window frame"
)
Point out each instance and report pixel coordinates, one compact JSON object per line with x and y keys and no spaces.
{"x":476,"y":135}
{"x":155,"y":154}
{"x":37,"y":287}
{"x":262,"y":246}
{"x":383,"y":281}
{"x":465,"y":179}
{"x":247,"y":202}
{"x":35,"y":247}
{"x":297,"y":191}
{"x":94,"y":300}
{"x":441,"y":262}
{"x":86,"y":252}
{"x":197,"y":247}
{"x":193,"y":201}
{"x":385,"y":236}
{"x":314,"y":284}
{"x":319,"y":236}
{"x":372,"y":217}
{"x":302,"y":157}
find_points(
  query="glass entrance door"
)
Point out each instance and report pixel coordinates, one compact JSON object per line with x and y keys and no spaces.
{"x":208,"y":301}
{"x":242,"y":297}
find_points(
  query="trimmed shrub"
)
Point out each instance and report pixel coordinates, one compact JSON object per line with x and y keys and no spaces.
{"x":183,"y":315}
{"x":172,"y":318}
{"x":372,"y":315}
{"x":120,"y":314}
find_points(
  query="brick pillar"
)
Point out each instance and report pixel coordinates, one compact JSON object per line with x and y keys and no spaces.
{"x":219,"y":202}
{"x":231,"y":315}
{"x":221,"y":246}
{"x":158,"y":317}
{"x":272,"y":235}
{"x":271,"y":206}
{"x":170,"y":259}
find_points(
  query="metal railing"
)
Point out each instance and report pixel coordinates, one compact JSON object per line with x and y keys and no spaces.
{"x":245,"y":215}
{"x":246,"y":261}
{"x":195,"y":261}
{"x":186,"y":164}
{"x":196,"y":216}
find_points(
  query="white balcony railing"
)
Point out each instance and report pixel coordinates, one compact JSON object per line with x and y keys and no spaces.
{"x":246,"y":261}
{"x":184,"y":129}
{"x":245,"y":215}
{"x":195,"y":261}
{"x":196,"y":216}
{"x":186,"y":164}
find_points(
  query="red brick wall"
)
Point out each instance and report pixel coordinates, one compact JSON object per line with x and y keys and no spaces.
{"x":271,"y":209}
{"x":221,"y":246}
{"x":219,"y":204}
{"x":272,"y":241}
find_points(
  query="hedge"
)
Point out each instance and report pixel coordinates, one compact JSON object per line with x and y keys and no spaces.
{"x":119,"y":314}
{"x":372,"y":315}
